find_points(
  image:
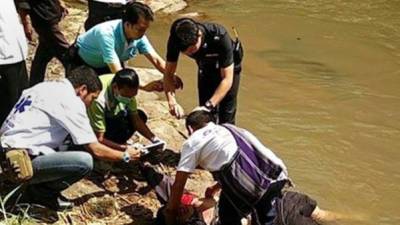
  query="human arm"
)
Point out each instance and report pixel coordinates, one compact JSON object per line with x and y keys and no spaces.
{"x":109,"y":143}
{"x":176,"y":195}
{"x":224,"y":86}
{"x":174,"y":108}
{"x":212,"y":190}
{"x":141,"y":126}
{"x":64,"y":9}
{"x":160,"y":65}
{"x":104,"y":152}
{"x":114,"y":67}
{"x":106,"y":43}
{"x":23,"y":8}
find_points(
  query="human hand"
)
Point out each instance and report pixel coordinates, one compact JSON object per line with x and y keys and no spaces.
{"x":28,"y":31}
{"x":156,"y":85}
{"x":178,"y":82}
{"x":211,"y":191}
{"x":134,"y":153}
{"x":176,"y":110}
{"x":64,"y":10}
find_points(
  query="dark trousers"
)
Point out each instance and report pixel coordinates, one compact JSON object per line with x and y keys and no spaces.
{"x":52,"y":43}
{"x":208,"y":81}
{"x":120,"y":128}
{"x":100,"y":12}
{"x":13,"y":80}
{"x":228,"y":215}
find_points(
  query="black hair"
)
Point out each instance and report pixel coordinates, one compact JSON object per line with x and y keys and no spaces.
{"x":187,"y":31}
{"x":198,"y":119}
{"x":195,"y":219}
{"x":135,"y":10}
{"x":126,"y":78}
{"x":84,"y":75}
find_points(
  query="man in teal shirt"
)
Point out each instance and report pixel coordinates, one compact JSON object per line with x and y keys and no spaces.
{"x":114,"y":115}
{"x":106,"y":46}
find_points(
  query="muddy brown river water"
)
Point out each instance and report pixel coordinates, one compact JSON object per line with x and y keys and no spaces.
{"x":321,"y":87}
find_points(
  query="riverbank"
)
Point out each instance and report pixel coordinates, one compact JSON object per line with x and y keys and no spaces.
{"x":117,"y":194}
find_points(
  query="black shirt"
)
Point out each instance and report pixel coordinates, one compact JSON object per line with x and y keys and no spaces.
{"x":216,"y":48}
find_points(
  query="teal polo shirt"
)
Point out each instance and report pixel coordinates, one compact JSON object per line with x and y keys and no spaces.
{"x":105,"y":43}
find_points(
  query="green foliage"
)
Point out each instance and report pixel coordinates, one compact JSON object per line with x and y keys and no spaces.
{"x":10,"y":219}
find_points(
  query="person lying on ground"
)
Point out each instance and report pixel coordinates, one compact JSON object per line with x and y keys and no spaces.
{"x":192,"y":210}
{"x":39,"y":123}
{"x":293,"y":207}
{"x":249,"y":175}
{"x":114,"y":115}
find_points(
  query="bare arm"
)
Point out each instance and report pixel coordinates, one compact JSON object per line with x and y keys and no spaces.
{"x":23,"y":8}
{"x":156,"y":60}
{"x":103,"y":152}
{"x":109,"y":143}
{"x":169,"y":87}
{"x":114,"y":67}
{"x":142,"y":127}
{"x":176,"y":193}
{"x":224,"y":86}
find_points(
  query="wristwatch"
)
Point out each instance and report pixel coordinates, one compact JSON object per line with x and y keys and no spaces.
{"x":209,"y":106}
{"x":126,"y":157}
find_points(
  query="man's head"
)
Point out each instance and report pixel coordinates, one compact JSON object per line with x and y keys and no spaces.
{"x":197,"y":120}
{"x":189,"y":35}
{"x":86,"y":83}
{"x":125,"y":85}
{"x":136,"y":20}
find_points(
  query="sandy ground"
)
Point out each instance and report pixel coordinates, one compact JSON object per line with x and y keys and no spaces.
{"x":117,"y":194}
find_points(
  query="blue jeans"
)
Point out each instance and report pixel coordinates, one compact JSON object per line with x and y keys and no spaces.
{"x":55,"y":172}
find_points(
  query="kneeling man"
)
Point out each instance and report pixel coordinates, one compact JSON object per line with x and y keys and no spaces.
{"x":250,"y":176}
{"x":41,"y":120}
{"x":114,"y":115}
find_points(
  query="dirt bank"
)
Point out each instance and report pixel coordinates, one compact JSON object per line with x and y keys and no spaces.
{"x":119,"y":196}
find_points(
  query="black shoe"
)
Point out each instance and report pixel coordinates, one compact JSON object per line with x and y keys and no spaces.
{"x":56,"y":203}
{"x":152,"y":177}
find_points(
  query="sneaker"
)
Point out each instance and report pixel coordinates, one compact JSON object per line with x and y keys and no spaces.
{"x":56,"y":203}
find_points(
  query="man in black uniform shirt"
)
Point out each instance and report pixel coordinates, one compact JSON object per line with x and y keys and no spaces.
{"x":218,"y":58}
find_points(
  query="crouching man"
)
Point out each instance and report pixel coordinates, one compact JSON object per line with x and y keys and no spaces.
{"x":40,"y":121}
{"x":249,"y":175}
{"x":114,"y":115}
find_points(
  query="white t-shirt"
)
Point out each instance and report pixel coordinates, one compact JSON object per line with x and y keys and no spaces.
{"x":210,"y":147}
{"x":43,"y":117}
{"x":213,"y":146}
{"x":13,"y":45}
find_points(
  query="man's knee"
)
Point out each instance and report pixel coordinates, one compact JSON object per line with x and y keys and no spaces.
{"x":84,"y":162}
{"x":142,"y":115}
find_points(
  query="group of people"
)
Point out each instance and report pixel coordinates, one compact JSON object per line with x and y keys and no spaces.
{"x":95,"y":105}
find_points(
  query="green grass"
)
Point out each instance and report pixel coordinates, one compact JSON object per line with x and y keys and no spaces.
{"x":21,"y":218}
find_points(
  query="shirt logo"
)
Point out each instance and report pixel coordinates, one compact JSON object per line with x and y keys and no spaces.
{"x":24,"y":102}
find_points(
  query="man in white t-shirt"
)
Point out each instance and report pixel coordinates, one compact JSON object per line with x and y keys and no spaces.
{"x":249,"y":175}
{"x":41,"y":120}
